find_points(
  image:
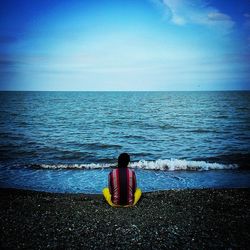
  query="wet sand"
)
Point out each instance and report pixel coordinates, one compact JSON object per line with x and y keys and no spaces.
{"x":196,"y":219}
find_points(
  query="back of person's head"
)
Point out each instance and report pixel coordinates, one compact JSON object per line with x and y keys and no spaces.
{"x":123,"y":160}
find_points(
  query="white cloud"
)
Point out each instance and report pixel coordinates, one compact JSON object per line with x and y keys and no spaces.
{"x":217,"y":16}
{"x":199,"y":12}
{"x":247,"y":20}
{"x":179,"y":20}
{"x":247,"y":30}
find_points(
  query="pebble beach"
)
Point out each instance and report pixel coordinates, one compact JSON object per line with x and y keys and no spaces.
{"x":183,"y":219}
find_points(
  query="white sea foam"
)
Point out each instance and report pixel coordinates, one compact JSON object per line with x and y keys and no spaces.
{"x":176,"y":164}
{"x":74,"y":166}
{"x":167,"y":165}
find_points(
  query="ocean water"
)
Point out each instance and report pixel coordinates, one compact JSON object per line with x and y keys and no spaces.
{"x":69,"y":141}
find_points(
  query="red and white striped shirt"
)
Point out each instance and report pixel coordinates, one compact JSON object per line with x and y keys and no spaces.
{"x":122,"y":186}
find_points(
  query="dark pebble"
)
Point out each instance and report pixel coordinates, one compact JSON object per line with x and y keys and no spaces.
{"x":187,"y":219}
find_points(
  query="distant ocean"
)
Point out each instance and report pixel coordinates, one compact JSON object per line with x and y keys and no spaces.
{"x":67,"y":141}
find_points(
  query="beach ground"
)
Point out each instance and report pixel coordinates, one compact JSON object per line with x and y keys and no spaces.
{"x":196,"y":219}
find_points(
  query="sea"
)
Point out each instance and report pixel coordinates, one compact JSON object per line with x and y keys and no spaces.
{"x":68,"y":142}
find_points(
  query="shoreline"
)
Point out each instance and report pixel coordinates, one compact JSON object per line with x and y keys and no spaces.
{"x":192,"y":218}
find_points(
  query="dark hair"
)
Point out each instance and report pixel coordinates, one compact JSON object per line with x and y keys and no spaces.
{"x":123,"y":160}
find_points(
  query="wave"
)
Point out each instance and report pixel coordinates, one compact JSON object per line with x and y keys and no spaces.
{"x":164,"y":165}
{"x":176,"y":164}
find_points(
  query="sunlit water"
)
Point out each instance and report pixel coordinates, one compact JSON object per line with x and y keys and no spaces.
{"x":93,"y":181}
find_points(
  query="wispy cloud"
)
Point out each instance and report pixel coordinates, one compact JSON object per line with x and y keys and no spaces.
{"x":185,"y":12}
{"x":247,"y":29}
{"x":7,"y":62}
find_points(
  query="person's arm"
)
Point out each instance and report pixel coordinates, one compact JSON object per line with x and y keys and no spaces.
{"x":109,"y":182}
{"x":134,"y":181}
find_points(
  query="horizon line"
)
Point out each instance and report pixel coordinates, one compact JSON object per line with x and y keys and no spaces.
{"x":229,"y":90}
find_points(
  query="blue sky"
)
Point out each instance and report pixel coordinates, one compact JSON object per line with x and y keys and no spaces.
{"x":124,"y":45}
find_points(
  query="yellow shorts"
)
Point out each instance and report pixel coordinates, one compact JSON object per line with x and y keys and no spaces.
{"x":107,"y":196}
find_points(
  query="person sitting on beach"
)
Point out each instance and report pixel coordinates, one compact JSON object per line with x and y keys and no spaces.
{"x":122,"y":190}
